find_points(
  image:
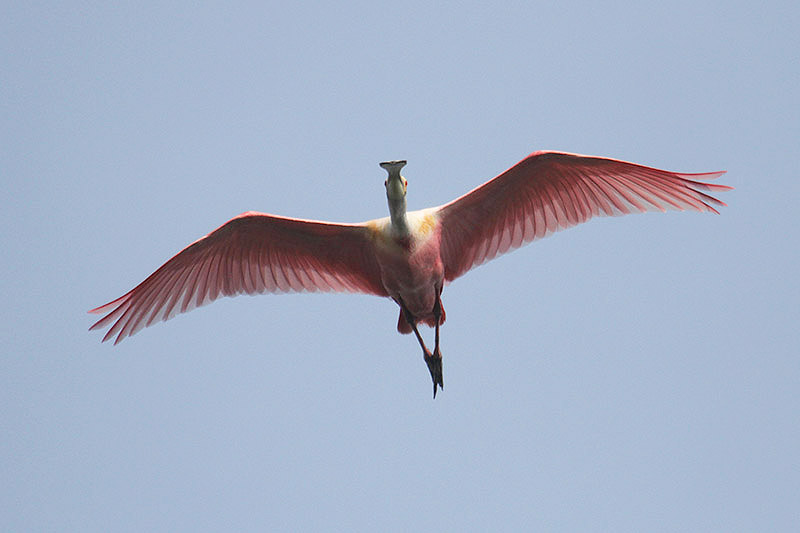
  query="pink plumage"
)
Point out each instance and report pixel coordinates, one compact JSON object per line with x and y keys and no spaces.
{"x":550,"y":191}
{"x":407,"y":256}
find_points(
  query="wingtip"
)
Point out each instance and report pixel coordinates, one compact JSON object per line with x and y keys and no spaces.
{"x":106,"y":307}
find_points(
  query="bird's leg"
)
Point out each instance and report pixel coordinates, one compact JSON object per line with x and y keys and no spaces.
{"x":434,"y":363}
{"x":437,"y":316}
{"x":435,"y":360}
{"x":410,"y":319}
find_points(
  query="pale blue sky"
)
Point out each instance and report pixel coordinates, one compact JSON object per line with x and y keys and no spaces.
{"x":632,"y":374}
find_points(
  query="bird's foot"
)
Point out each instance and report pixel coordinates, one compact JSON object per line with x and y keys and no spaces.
{"x":434,"y":362}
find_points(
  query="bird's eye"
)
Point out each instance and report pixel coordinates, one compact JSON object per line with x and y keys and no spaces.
{"x":385,"y":183}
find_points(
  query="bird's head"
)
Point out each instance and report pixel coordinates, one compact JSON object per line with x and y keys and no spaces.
{"x":396,"y":184}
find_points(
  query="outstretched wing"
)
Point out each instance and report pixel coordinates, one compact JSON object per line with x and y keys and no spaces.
{"x":551,"y":191}
{"x":252,"y":253}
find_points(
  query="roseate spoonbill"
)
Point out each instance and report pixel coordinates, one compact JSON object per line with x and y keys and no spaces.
{"x":407,"y":256}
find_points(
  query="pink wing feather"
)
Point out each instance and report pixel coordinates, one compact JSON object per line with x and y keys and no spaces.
{"x":551,"y":191}
{"x":250,"y":254}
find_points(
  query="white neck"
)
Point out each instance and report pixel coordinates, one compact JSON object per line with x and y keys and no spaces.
{"x":397,"y":210}
{"x":396,"y":195}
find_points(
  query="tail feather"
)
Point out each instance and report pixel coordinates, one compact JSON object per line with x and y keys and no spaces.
{"x":405,"y":328}
{"x":402,"y":324}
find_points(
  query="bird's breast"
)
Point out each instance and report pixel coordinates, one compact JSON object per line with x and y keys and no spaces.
{"x":422,"y":227}
{"x":411,"y":265}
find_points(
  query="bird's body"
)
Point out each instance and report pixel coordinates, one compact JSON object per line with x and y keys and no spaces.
{"x":410,"y":265}
{"x":408,"y":256}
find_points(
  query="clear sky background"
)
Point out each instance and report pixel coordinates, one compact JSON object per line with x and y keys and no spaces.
{"x":632,"y":374}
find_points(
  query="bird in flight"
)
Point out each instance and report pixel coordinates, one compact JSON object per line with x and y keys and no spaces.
{"x":407,"y":256}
